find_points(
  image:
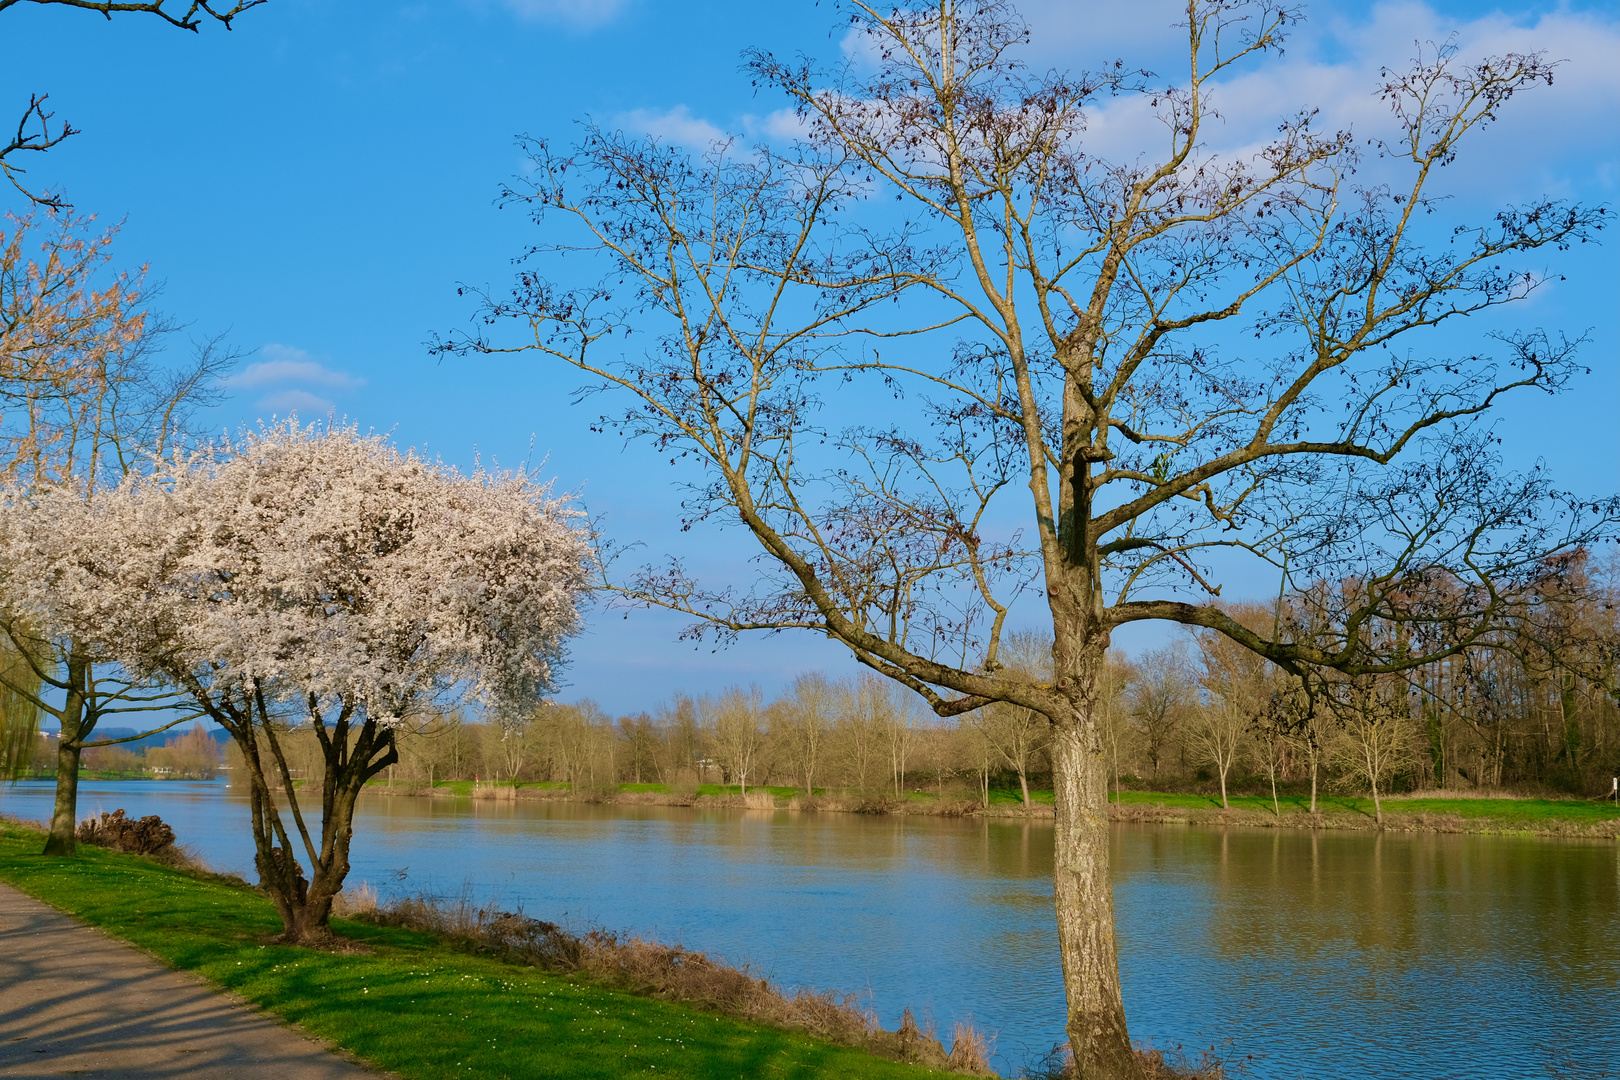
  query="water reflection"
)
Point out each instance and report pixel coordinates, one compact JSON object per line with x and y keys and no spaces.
{"x":1326,"y":954}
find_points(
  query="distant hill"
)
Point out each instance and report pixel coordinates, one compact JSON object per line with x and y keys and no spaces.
{"x":219,"y":734}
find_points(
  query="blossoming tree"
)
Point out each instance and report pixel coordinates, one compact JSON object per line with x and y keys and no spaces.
{"x":312,"y":575}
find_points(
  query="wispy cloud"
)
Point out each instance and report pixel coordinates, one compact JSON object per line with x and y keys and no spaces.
{"x":581,"y":14}
{"x":285,"y":365}
{"x":293,"y":376}
{"x":676,"y":125}
{"x":299,"y":401}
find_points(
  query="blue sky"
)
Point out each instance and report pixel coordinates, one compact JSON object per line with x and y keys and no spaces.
{"x":317,"y":181}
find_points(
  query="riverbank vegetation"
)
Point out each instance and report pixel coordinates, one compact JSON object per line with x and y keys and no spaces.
{"x":1417,"y":812}
{"x":1193,"y":725}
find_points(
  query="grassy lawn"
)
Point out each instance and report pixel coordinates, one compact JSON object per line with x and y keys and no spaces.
{"x":409,"y":1004}
{"x":1527,"y":811}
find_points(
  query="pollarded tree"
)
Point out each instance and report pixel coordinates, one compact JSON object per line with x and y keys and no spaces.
{"x":1169,"y":353}
{"x":315,"y":576}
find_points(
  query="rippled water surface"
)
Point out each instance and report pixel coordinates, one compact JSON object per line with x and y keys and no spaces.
{"x":1324,"y":955}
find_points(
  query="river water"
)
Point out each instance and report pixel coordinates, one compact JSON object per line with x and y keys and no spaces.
{"x":1312,"y":954}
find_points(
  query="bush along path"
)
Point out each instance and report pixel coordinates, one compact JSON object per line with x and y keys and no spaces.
{"x":414,"y":1003}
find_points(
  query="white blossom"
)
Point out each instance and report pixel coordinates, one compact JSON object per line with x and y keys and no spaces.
{"x":309,"y":562}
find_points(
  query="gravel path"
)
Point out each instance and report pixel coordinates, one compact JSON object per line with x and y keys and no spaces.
{"x":75,"y":1002}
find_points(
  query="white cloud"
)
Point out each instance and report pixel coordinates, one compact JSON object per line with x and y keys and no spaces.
{"x":1542,"y":143}
{"x":581,"y":14}
{"x":292,"y":376}
{"x":286,"y":365}
{"x":783,"y":125}
{"x":677,"y":126}
{"x":290,"y":401}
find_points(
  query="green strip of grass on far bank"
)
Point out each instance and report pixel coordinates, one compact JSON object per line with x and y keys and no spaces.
{"x":408,"y":1003}
{"x":1508,"y":813}
{"x":1526,"y":811}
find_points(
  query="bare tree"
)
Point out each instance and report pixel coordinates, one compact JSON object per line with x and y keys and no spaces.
{"x":863,"y":715}
{"x":804,"y":725}
{"x":734,"y":732}
{"x":516,"y":726}
{"x":1374,"y":741}
{"x":1217,"y":734}
{"x":1017,"y":735}
{"x":640,"y":738}
{"x":1113,"y":713}
{"x":1235,"y":693}
{"x":1064,"y":324}
{"x":683,"y":740}
{"x":36,"y":131}
{"x":1160,"y":695}
{"x":19,"y":710}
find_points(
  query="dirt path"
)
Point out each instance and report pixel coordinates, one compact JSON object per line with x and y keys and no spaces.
{"x":75,"y":1002}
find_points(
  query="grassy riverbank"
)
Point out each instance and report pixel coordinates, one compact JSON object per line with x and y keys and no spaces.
{"x":1422,"y":812}
{"x":409,"y":1002}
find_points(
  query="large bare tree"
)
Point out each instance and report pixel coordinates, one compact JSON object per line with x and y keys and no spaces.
{"x":939,"y":300}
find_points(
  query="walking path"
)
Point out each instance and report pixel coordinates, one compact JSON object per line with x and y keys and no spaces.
{"x":75,"y":1002}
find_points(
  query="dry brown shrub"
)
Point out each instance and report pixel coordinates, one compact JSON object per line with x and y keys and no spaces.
{"x":970,"y":1052}
{"x":114,"y":831}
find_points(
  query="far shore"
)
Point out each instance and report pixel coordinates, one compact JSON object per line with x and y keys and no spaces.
{"x":1429,"y":811}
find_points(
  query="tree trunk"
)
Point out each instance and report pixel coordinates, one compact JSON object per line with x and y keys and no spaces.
{"x":1223,"y":788}
{"x":1378,"y":807}
{"x":1085,"y":905}
{"x":77,"y":724}
{"x":1023,"y":782}
{"x":351,"y":757}
{"x":64,"y":817}
{"x":1313,"y":782}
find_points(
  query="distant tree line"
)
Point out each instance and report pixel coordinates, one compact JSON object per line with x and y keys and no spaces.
{"x":1538,"y":711}
{"x":193,"y":755}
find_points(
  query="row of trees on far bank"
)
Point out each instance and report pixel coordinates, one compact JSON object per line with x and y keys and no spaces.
{"x":193,"y":755}
{"x":1199,"y":711}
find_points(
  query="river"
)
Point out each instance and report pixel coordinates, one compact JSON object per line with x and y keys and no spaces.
{"x":1313,"y":954}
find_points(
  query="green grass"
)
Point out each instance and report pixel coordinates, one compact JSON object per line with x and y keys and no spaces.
{"x":733,"y":789}
{"x":1508,"y":811}
{"x":1015,"y":797}
{"x":410,"y":1004}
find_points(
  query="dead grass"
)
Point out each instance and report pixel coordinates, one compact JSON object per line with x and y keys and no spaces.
{"x":669,"y":972}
